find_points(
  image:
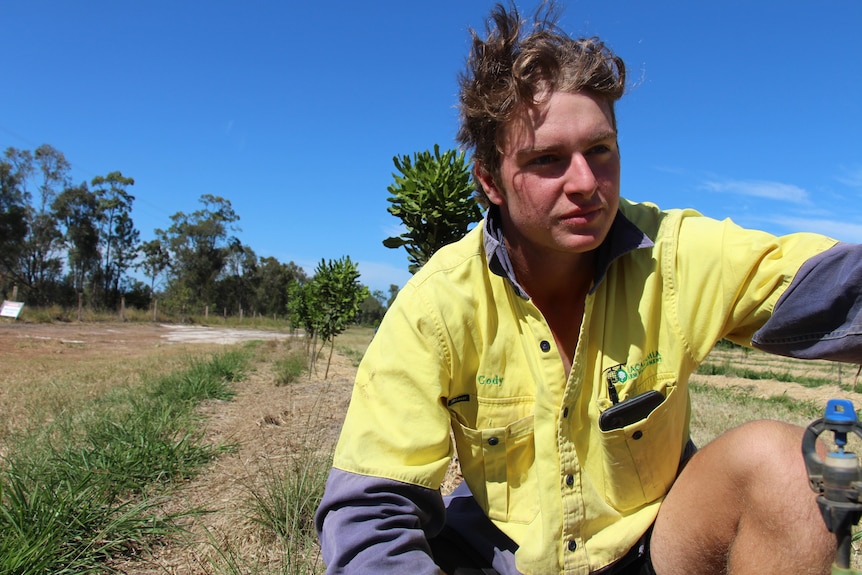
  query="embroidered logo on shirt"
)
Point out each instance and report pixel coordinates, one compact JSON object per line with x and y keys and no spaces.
{"x":490,"y":380}
{"x":622,"y":373}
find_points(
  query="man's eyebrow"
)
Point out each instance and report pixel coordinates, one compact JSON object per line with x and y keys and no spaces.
{"x":531,"y":150}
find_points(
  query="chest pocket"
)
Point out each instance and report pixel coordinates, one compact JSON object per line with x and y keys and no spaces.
{"x":498,"y":465}
{"x":640,"y":461}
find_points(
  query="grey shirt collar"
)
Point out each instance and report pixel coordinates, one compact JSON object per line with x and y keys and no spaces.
{"x":623,"y":237}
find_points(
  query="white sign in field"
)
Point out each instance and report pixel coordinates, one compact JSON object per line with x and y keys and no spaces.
{"x":11,"y":309}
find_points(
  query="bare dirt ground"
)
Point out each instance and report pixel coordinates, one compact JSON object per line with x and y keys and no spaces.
{"x":266,"y":423}
{"x":766,"y":388}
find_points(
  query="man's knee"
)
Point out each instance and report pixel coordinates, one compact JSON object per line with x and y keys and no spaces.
{"x":747,"y":484}
{"x":755,"y":452}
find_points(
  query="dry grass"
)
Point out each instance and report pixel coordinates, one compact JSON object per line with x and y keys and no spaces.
{"x":49,"y":370}
{"x":809,"y":373}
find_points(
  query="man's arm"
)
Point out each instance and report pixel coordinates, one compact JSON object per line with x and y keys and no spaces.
{"x":820,"y":314}
{"x":375,"y":525}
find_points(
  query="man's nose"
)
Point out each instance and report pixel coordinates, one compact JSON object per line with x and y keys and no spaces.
{"x":579,"y":177}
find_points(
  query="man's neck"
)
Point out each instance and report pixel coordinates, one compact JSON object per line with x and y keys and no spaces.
{"x":552,"y":276}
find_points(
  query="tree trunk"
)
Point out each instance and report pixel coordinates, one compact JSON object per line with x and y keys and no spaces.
{"x":329,"y":361}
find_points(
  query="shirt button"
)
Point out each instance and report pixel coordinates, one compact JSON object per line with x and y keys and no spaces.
{"x":572,"y":545}
{"x":570,"y":480}
{"x":493,"y":441}
{"x":565,"y":412}
{"x":637,"y":434}
{"x":545,"y":346}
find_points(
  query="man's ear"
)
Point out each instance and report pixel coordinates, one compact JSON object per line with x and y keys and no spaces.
{"x":492,"y":191}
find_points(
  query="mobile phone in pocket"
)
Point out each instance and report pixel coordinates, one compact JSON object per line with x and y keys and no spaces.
{"x":630,"y":410}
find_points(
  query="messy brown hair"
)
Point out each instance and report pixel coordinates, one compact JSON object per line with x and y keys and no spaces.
{"x":515,"y":66}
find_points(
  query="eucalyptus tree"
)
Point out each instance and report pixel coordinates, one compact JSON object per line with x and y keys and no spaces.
{"x":433,"y":197}
{"x":371,"y":310}
{"x":238,"y":281}
{"x":37,"y":264}
{"x":198,"y":243}
{"x":13,"y":224}
{"x":77,"y":210}
{"x":393,"y":292}
{"x":118,"y":238}
{"x":154,"y":260}
{"x":54,"y":169}
{"x":272,"y":282}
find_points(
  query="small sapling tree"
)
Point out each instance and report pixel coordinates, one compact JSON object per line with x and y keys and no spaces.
{"x":326,"y":305}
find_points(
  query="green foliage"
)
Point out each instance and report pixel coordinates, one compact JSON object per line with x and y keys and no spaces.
{"x":154,"y":260}
{"x":118,"y":238}
{"x":13,"y":218}
{"x":302,"y":306}
{"x":198,"y":243}
{"x":33,"y":262}
{"x":203,"y":379}
{"x":353,"y":355}
{"x":781,"y":407}
{"x":371,"y":310}
{"x":77,"y":209}
{"x":282,"y":504}
{"x":338,"y":294}
{"x":329,"y":303}
{"x":271,"y":282}
{"x":93,"y":228}
{"x":284,"y":501}
{"x":433,"y":198}
{"x":69,"y":527}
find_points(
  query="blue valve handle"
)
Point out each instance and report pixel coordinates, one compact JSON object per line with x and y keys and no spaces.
{"x":840,"y":418}
{"x":838,"y":479}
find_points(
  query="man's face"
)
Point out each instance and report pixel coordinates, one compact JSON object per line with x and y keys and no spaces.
{"x":559,"y":182}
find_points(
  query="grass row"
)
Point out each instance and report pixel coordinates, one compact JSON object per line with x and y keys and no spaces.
{"x":85,"y":493}
{"x":733,"y":370}
{"x":85,"y":489}
{"x":733,"y":360}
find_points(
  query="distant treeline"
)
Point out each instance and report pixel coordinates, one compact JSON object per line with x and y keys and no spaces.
{"x":75,"y":244}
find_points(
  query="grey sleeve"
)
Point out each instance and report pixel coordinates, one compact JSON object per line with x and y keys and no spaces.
{"x":820,"y":314}
{"x":374,"y":525}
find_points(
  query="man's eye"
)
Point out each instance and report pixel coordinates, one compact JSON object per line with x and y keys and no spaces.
{"x":599,"y":149}
{"x":543,"y":160}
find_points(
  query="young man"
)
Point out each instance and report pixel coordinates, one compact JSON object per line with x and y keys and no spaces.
{"x":532,"y":338}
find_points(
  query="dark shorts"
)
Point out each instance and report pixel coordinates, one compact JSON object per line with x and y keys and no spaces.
{"x":470,"y":544}
{"x":636,"y":562}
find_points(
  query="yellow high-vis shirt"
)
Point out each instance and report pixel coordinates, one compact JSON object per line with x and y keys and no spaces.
{"x":460,"y":349}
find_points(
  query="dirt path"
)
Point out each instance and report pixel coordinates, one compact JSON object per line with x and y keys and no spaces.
{"x":767,"y":388}
{"x":268,"y":424}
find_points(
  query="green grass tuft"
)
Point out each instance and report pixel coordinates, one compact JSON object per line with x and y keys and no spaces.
{"x":79,"y":493}
{"x":289,"y":368}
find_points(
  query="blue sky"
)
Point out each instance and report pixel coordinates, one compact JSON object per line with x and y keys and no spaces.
{"x":294,"y":110}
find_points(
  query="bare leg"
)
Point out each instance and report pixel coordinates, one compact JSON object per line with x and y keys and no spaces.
{"x":742,"y":506}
